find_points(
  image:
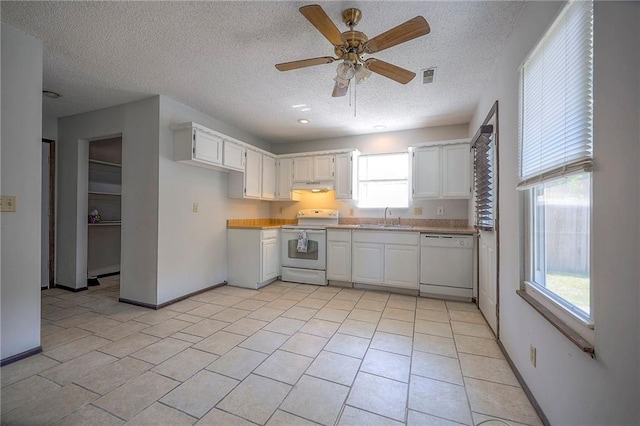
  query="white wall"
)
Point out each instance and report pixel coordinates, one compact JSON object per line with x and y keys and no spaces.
{"x":20,"y":155}
{"x":374,"y":144}
{"x":138,"y":124}
{"x":192,"y":252}
{"x":49,"y":128}
{"x":571,"y":387}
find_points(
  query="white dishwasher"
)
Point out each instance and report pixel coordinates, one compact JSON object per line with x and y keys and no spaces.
{"x":446,"y":266}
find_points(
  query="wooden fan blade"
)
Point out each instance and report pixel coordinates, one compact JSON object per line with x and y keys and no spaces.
{"x":339,"y":91}
{"x":318,"y":17}
{"x":287,"y":66}
{"x":411,"y":29}
{"x":389,"y":70}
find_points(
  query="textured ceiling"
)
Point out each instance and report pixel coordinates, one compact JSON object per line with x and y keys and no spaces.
{"x":219,"y":57}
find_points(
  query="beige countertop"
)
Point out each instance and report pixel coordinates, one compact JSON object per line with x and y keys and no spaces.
{"x":432,"y":226}
{"x":254,"y":226}
{"x":258,"y":223}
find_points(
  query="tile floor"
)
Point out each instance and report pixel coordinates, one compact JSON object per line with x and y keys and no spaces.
{"x":288,"y":354}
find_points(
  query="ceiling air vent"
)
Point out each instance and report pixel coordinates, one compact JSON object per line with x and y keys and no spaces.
{"x":428,"y":75}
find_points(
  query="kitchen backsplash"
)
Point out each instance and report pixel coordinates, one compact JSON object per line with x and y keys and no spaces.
{"x":453,"y":209}
{"x":430,"y":223}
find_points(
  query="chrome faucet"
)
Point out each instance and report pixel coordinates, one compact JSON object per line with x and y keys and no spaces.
{"x":385,"y":214}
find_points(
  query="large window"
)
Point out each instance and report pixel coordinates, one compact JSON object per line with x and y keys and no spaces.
{"x":383,"y":180}
{"x":555,"y":158}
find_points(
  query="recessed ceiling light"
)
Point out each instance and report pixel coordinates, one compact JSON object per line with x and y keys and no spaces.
{"x":380,"y":127}
{"x":298,"y":106}
{"x":303,"y":121}
{"x":305,"y":109}
{"x":50,"y":94}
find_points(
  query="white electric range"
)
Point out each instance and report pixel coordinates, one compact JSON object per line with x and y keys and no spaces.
{"x":307,"y":266}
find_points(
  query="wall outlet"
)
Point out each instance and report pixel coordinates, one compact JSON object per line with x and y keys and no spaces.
{"x":440,"y":211}
{"x":7,"y":203}
{"x":281,"y":209}
{"x":417,"y":211}
{"x":532,"y":354}
{"x":350,"y":212}
{"x":195,"y":207}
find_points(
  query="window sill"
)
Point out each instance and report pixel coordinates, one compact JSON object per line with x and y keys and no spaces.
{"x":559,"y":324}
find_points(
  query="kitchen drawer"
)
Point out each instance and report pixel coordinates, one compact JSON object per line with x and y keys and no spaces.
{"x":386,"y":237}
{"x":339,"y":235}
{"x":269,"y":234}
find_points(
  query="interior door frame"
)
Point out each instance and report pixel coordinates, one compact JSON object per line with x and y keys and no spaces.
{"x":493,"y":114}
{"x":52,"y":209}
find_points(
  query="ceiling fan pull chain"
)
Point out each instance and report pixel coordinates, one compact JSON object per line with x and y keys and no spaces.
{"x":355,"y":100}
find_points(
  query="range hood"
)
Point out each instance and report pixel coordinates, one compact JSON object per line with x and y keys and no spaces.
{"x":314,"y":186}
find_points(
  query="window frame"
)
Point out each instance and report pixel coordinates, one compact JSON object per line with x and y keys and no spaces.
{"x":558,"y":306}
{"x":407,"y":180}
{"x":559,"y":312}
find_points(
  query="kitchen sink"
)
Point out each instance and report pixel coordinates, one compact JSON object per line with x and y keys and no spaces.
{"x":383,"y":226}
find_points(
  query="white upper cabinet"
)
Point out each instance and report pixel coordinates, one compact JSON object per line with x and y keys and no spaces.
{"x":318,"y":168}
{"x":258,"y":180}
{"x":442,"y":171}
{"x":233,"y":156}
{"x":253,"y":174}
{"x":456,"y":179}
{"x":268,"y":177}
{"x":346,"y":176}
{"x":323,"y":167}
{"x":194,"y":145}
{"x":426,"y":172}
{"x":207,"y":147}
{"x":284,"y":180}
{"x":302,"y":169}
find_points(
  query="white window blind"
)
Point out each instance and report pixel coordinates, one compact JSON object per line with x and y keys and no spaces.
{"x":557,"y":99}
{"x":483,"y":178}
{"x":383,"y":180}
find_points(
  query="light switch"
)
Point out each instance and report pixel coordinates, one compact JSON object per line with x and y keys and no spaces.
{"x":440,"y":211}
{"x":7,"y":203}
{"x":417,"y":211}
{"x":350,"y":212}
{"x":195,"y":207}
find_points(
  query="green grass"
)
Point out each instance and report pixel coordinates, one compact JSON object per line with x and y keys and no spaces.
{"x":572,"y":288}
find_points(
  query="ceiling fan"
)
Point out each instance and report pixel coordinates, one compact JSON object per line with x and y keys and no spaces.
{"x":351,"y":46}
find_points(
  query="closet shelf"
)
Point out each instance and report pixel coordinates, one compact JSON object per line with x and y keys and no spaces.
{"x":106,"y":223}
{"x":106,"y":163}
{"x":115,"y":194}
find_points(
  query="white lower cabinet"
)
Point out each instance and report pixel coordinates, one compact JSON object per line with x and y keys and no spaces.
{"x":270,"y":252}
{"x":401,"y":266}
{"x":368,"y":263}
{"x":253,"y":257}
{"x":339,"y":255}
{"x":386,"y":258}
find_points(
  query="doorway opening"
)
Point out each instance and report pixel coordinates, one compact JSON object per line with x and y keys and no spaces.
{"x":104,"y":208}
{"x":48,"y":221}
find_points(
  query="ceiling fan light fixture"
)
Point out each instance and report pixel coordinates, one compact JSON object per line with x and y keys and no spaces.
{"x":345,"y":70}
{"x":362,"y":73}
{"x":341,"y":82}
